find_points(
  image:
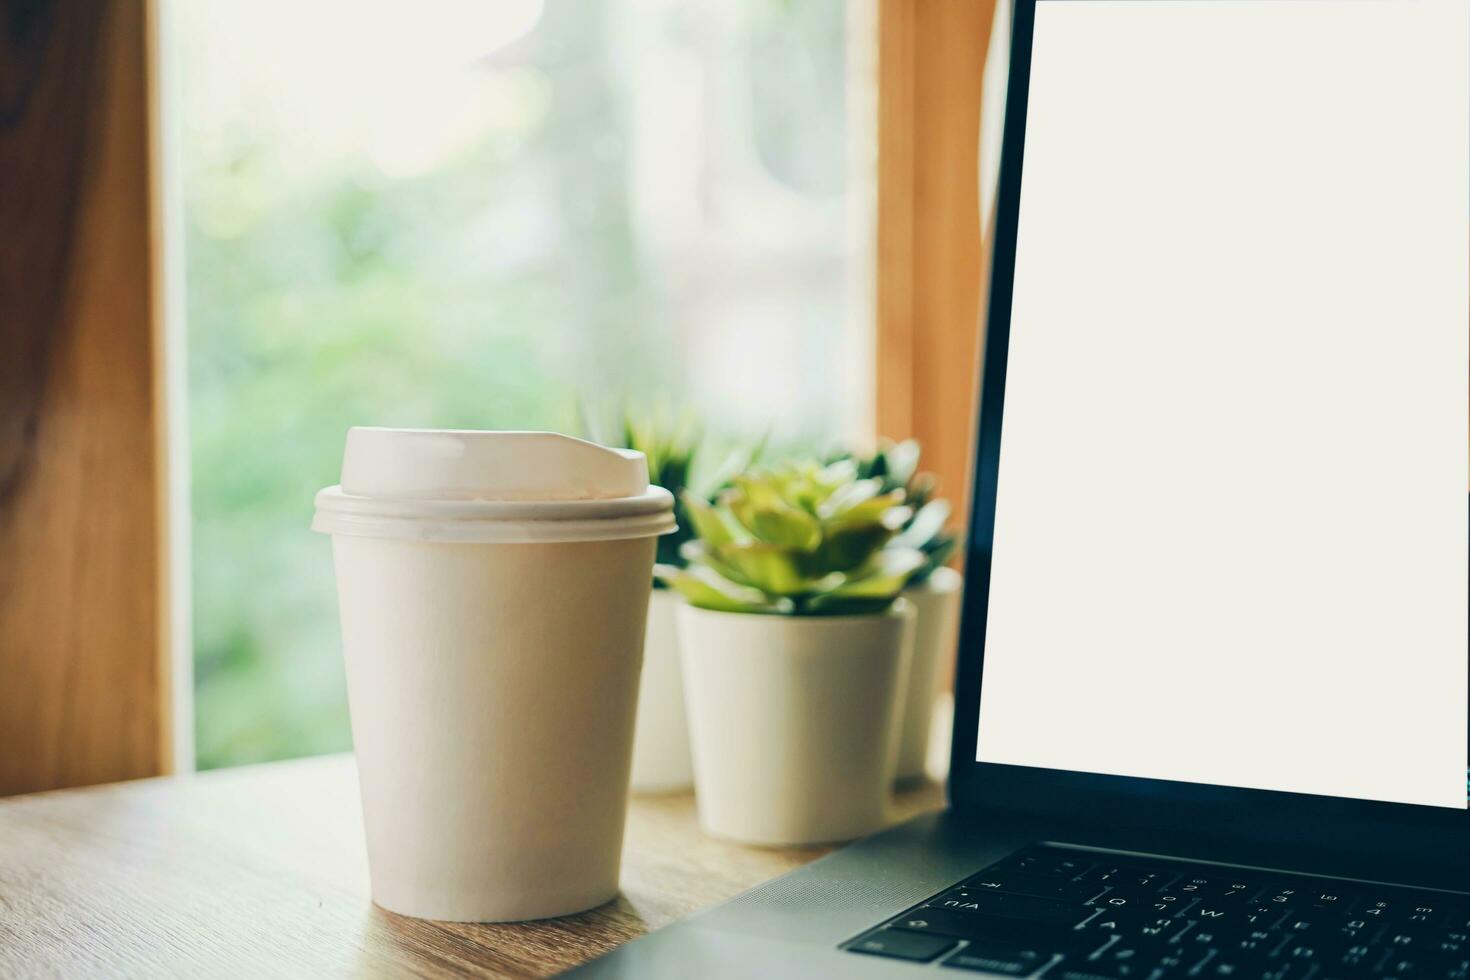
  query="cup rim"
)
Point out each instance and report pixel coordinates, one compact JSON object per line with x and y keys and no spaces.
{"x":648,"y":514}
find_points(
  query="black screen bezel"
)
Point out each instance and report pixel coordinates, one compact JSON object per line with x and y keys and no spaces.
{"x":1169,"y":806}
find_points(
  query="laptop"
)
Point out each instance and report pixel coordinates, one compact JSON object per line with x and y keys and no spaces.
{"x":1211,"y":699}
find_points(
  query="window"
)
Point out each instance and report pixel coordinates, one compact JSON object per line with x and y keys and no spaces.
{"x":479,"y":215}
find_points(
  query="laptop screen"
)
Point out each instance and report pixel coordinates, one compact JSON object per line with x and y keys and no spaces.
{"x":1231,"y":523}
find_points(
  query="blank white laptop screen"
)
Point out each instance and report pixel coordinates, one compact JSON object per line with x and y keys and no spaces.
{"x":1231,"y":524}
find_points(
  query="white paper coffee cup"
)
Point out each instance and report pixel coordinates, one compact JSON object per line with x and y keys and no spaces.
{"x":493,"y":590}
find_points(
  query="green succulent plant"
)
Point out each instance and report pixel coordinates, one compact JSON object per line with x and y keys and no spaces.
{"x":682,"y":460}
{"x":801,"y":539}
{"x":927,"y":529}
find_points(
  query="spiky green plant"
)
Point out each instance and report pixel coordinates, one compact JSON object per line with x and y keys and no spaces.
{"x":683,"y":461}
{"x":800,"y":539}
{"x":671,"y":451}
{"x":896,"y":464}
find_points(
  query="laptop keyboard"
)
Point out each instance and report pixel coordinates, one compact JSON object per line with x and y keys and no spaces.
{"x":1071,"y":914}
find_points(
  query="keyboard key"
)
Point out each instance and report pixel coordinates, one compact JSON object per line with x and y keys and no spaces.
{"x":1115,"y":903}
{"x":1109,"y":873}
{"x":1255,"y":942}
{"x":1209,"y":913}
{"x":1231,"y":887}
{"x":1292,"y":970}
{"x":1299,"y":925}
{"x":1400,"y":966}
{"x":969,"y":925}
{"x":1423,"y":912}
{"x":1018,"y":883}
{"x":993,"y":957}
{"x":1360,"y":956}
{"x":1216,"y":968}
{"x":1127,"y":961}
{"x":1281,"y":895}
{"x":1298,"y":949}
{"x":1174,"y":958}
{"x":1451,"y":944}
{"x":1204,"y":934}
{"x":1153,"y":880}
{"x":1022,"y":907}
{"x":1330,"y":900}
{"x":1355,"y":929}
{"x":1122,"y":959}
{"x":1173,"y":903}
{"x":1375,"y":908}
{"x":903,"y":945}
{"x":1093,"y":971}
{"x":1166,"y":929}
{"x":1263,"y":916}
{"x":948,"y":922}
{"x":1108,"y":922}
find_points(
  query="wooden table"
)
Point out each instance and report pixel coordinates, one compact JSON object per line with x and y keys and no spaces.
{"x":262,"y":872}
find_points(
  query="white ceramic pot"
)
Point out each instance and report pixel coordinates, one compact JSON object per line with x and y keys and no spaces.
{"x":937,"y":610}
{"x":794,"y":720}
{"x":661,"y":762}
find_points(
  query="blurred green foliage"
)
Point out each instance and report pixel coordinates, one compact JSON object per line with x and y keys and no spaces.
{"x":493,"y":290}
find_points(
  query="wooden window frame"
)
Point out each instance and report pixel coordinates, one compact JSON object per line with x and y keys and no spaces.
{"x":931,"y":256}
{"x":84,"y":618}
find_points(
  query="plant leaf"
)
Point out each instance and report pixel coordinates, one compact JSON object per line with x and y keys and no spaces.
{"x":903,"y":462}
{"x":921,"y":488}
{"x":940,"y":550}
{"x":707,"y":590}
{"x":848,"y":546}
{"x":885,"y":576}
{"x":695,"y":553}
{"x":838,"y":472}
{"x":927,"y":523}
{"x":772,"y":520}
{"x":943,"y":547}
{"x":718,"y":478}
{"x":848,"y":496}
{"x":709,"y":524}
{"x":882,"y":510}
{"x":775,"y":570}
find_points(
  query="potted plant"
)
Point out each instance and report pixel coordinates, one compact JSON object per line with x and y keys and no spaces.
{"x":795,"y":648}
{"x":934,"y":591}
{"x":675,"y":449}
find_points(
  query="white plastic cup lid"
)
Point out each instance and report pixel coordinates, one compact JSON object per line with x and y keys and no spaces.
{"x":480,"y":486}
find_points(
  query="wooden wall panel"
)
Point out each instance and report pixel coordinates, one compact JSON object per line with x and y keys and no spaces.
{"x":931,"y":265}
{"x":83,"y":685}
